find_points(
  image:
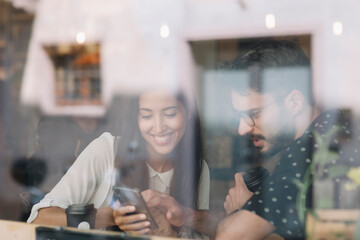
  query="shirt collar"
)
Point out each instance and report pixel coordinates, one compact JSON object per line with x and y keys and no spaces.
{"x":164,"y":176}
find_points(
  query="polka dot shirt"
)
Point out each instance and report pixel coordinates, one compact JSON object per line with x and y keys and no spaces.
{"x":275,"y":200}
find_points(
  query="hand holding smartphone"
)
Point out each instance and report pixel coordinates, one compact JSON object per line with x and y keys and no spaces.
{"x":127,"y":196}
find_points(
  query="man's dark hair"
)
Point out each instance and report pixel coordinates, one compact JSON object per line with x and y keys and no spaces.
{"x":271,"y":66}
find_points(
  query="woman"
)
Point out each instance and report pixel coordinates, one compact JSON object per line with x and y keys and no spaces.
{"x":162,"y":153}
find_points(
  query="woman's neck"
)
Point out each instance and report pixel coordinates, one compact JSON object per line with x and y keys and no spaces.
{"x":158,"y":162}
{"x":161,"y":166}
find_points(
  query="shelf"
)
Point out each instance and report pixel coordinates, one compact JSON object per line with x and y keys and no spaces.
{"x":333,"y":224}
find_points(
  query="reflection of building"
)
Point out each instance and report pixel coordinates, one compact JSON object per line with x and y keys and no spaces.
{"x":134,"y":53}
{"x":77,"y":73}
{"x":15,"y":127}
{"x":2,"y":59}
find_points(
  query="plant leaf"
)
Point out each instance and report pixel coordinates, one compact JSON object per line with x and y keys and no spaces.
{"x":357,"y":230}
{"x":314,"y":214}
{"x":319,"y":140}
{"x":332,"y":155}
{"x":298,"y":183}
{"x":338,"y":171}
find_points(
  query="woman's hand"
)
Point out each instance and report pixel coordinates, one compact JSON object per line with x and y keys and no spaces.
{"x":174,"y":212}
{"x":164,"y":226}
{"x":134,"y":224}
{"x":238,"y":195}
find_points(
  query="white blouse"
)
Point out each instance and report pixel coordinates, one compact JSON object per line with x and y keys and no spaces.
{"x":92,"y":176}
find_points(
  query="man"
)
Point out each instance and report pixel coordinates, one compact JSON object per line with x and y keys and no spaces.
{"x":276,"y":113}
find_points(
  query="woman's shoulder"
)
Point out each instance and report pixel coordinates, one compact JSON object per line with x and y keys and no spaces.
{"x":106,"y":135}
{"x":99,"y":153}
{"x":104,"y":142}
{"x":105,"y":138}
{"x":205,"y":166}
{"x":205,"y":171}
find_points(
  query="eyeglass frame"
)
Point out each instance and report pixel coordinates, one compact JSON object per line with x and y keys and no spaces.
{"x":249,"y":115}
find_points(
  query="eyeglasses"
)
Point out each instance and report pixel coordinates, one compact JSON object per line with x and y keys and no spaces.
{"x":249,"y":116}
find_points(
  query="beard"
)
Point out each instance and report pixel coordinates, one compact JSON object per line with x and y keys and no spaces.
{"x":280,"y":140}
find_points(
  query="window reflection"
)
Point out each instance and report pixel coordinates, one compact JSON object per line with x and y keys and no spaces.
{"x":241,"y":130}
{"x":77,"y":73}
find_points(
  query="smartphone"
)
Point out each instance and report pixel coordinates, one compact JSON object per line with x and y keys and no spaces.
{"x":129,"y":196}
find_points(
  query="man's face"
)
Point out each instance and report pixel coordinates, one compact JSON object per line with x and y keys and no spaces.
{"x":272,"y":126}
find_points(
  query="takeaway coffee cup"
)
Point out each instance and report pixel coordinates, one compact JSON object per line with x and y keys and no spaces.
{"x":255,"y":177}
{"x":81,"y":216}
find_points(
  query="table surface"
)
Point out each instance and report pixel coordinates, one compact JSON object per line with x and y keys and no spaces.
{"x":12,"y":230}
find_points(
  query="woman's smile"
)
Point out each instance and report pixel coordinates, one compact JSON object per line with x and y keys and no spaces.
{"x":162,"y":139}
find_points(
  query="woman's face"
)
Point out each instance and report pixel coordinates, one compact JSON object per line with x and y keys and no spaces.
{"x":161,"y":120}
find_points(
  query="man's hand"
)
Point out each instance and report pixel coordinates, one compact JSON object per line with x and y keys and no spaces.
{"x":174,"y":212}
{"x":243,"y":225}
{"x":238,"y":195}
{"x":200,"y":220}
{"x":164,"y":226}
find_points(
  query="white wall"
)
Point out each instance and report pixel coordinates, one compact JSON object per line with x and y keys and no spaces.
{"x":334,"y":58}
{"x":135,"y":56}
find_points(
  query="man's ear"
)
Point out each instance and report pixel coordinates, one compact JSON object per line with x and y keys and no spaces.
{"x":295,"y":101}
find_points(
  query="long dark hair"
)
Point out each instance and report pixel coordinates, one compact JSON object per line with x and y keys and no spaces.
{"x":132,"y":152}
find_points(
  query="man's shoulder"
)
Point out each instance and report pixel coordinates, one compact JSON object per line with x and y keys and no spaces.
{"x":329,"y":120}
